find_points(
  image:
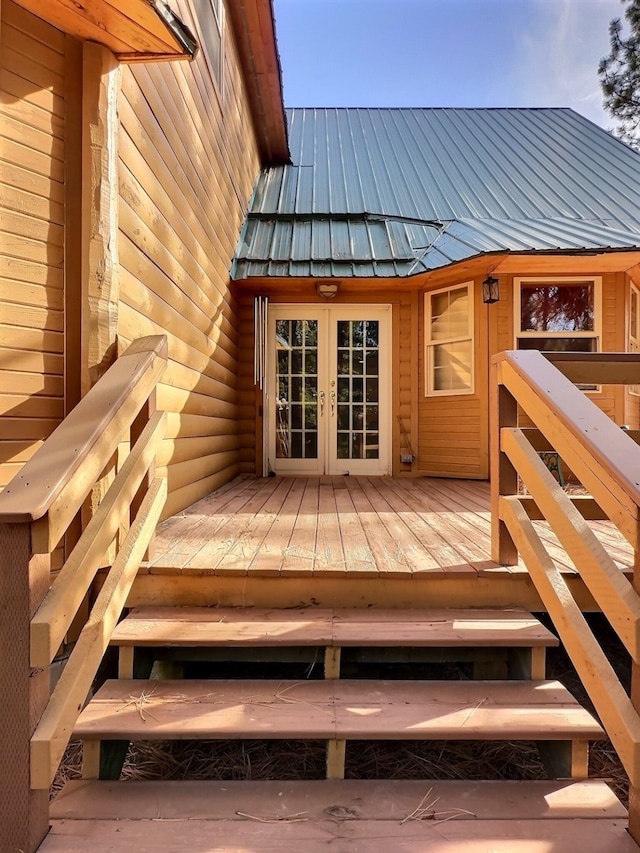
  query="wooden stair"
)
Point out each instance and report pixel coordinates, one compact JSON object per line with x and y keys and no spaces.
{"x":340,"y":815}
{"x":346,"y":816}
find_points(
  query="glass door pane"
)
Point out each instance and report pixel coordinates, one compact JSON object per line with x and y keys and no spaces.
{"x":328,"y":394}
{"x":296,"y":393}
{"x":358,"y":386}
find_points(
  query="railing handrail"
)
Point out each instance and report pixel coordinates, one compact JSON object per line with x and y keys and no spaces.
{"x":82,"y":435}
{"x":607,"y":462}
{"x":105,"y":449}
{"x":576,"y":427}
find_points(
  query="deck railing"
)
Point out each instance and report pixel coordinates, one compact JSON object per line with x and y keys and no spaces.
{"x":606,"y":461}
{"x":116,"y":420}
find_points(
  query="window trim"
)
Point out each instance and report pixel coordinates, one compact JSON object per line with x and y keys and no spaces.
{"x":634,"y":289}
{"x":558,"y":279}
{"x":429,"y":345}
{"x":219,"y":15}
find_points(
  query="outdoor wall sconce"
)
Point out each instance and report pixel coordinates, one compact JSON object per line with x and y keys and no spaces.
{"x":327,"y":289}
{"x":490,"y":290}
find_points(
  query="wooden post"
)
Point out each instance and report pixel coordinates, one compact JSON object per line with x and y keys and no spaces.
{"x":100,"y":279}
{"x":24,"y":580}
{"x":99,"y":267}
{"x":503,"y":412}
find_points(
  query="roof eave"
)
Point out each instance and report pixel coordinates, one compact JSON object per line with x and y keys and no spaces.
{"x":148,"y":31}
{"x":254,"y":28}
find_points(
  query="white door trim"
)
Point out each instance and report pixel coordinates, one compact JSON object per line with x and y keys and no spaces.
{"x":327,"y":461}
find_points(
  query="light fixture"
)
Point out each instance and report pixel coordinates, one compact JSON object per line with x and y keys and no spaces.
{"x":327,"y":289}
{"x":490,"y":290}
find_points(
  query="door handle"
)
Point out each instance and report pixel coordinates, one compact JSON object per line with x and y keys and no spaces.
{"x":321,"y":396}
{"x":332,"y":397}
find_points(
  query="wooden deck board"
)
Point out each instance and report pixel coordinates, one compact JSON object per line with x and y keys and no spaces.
{"x":299,"y":555}
{"x":387,"y":549}
{"x":329,"y":558}
{"x":267,"y":557}
{"x":360,"y":528}
{"x":335,"y":708}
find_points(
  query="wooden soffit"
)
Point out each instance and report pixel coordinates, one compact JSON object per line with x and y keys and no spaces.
{"x":254,"y":29}
{"x":135,"y":30}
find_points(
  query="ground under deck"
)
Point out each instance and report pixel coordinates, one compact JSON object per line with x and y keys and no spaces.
{"x":346,"y":541}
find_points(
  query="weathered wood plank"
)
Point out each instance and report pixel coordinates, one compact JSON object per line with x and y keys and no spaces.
{"x":250,"y":836}
{"x":51,"y":622}
{"x":207,"y":626}
{"x":611,"y":701}
{"x":335,"y":709}
{"x":362,"y":800}
{"x":54,"y":729}
{"x":612,"y":591}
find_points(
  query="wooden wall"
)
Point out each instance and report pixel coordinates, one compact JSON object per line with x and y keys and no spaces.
{"x":32,"y":215}
{"x":449,"y":434}
{"x":187,"y":166}
{"x":454,"y":429}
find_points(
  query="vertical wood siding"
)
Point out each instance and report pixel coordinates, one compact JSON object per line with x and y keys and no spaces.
{"x":32,"y":212}
{"x":187,"y":167}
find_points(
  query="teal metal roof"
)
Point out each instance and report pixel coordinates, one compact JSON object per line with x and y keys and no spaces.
{"x":397,"y":192}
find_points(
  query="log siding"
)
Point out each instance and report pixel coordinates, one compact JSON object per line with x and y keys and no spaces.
{"x":188,"y":160}
{"x":33,"y":68}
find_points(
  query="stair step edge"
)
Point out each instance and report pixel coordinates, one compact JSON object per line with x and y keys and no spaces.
{"x":208,"y":626}
{"x":363,"y":799}
{"x":344,"y":709}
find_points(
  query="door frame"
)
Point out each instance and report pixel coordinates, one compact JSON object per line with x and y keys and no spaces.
{"x":327,"y":462}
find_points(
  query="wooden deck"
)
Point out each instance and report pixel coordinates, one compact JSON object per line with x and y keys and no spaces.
{"x":413,"y":541}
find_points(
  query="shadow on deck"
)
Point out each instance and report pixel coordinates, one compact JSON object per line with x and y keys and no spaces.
{"x":349,"y":541}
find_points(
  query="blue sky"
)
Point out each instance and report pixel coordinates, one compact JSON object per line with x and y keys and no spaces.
{"x":431,"y":53}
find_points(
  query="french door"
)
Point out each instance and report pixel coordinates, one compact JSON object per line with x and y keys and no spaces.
{"x":328,"y":394}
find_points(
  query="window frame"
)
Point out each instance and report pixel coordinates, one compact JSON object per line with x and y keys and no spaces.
{"x":430,"y":344}
{"x":218,"y":13}
{"x":633,"y":341}
{"x":541,"y":280}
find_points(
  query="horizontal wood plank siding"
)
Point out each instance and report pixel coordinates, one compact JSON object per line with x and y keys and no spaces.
{"x":32,"y":206}
{"x":187,"y":165}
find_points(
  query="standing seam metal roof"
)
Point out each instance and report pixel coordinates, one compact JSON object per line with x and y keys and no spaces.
{"x":396,"y":192}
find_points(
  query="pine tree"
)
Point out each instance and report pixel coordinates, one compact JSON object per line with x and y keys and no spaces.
{"x":619,"y":74}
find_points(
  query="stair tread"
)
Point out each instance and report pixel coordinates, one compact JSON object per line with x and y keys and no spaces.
{"x":358,"y":816}
{"x":335,"y":708}
{"x":210,"y":626}
{"x":364,"y":799}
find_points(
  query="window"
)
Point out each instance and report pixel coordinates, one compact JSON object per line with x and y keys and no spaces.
{"x":449,"y":341}
{"x":634,"y":328}
{"x":210,"y":24}
{"x":557,"y":315}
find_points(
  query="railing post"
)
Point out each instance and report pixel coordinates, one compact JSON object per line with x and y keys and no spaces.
{"x":24,"y":580}
{"x":503,"y":412}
